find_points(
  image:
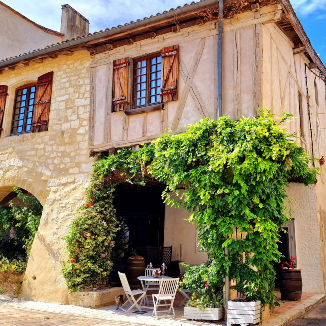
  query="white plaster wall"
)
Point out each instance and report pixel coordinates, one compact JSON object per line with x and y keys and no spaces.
{"x":178,"y":232}
{"x":307,"y":234}
{"x":19,"y":36}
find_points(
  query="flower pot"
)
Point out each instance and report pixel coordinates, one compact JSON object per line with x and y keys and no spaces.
{"x":206,"y":314}
{"x":291,"y":284}
{"x":243,"y":312}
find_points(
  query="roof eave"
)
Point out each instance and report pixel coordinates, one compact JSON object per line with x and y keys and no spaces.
{"x":302,"y":34}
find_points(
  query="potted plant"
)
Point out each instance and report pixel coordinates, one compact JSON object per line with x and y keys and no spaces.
{"x":291,"y":281}
{"x":206,"y":286}
{"x":245,"y":309}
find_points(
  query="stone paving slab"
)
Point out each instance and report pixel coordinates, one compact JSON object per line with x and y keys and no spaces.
{"x":106,"y":314}
{"x":296,"y":312}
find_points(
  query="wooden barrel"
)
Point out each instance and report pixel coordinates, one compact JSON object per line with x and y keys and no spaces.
{"x":135,"y":268}
{"x":291,"y":284}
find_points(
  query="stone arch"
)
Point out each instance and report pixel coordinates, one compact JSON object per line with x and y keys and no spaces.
{"x":25,"y":178}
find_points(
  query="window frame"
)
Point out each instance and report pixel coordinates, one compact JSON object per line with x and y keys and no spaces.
{"x":28,"y":86}
{"x":148,"y":59}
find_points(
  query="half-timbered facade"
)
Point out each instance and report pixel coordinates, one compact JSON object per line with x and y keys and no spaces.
{"x":128,"y":85}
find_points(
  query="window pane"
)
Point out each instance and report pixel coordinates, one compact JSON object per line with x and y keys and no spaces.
{"x":138,"y":79}
{"x":158,"y":98}
{"x":138,"y":102}
{"x":143,"y":93}
{"x":159,"y":67}
{"x":142,"y":102}
{"x":153,"y":76}
{"x":158,"y":90}
{"x":143,"y":64}
{"x":158,"y":82}
{"x":138,"y":94}
{"x":153,"y":83}
{"x":159,"y":59}
{"x":143,"y":71}
{"x":23,"y":116}
{"x":153,"y":68}
{"x":138,"y":64}
{"x":138,"y":87}
{"x":143,"y":78}
{"x":158,"y":74}
{"x":153,"y":100}
{"x":143,"y":86}
{"x":153,"y":60}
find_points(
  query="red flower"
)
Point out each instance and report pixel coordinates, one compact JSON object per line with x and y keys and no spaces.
{"x":85,"y":234}
{"x":103,"y":255}
{"x":109,"y":240}
{"x":88,"y":238}
{"x":206,"y":283}
{"x":77,"y":250}
{"x":73,"y":261}
{"x":100,"y":248}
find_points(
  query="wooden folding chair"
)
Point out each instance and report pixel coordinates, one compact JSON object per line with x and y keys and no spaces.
{"x":167,"y":292}
{"x":130,"y":294}
{"x":151,"y":285}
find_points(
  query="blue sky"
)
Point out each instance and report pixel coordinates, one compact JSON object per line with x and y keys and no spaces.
{"x":108,"y":13}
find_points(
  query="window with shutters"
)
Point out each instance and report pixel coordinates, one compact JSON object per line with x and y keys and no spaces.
{"x":152,"y":80}
{"x":32,"y":106}
{"x":23,"y":110}
{"x":147,"y":77}
{"x":3,"y":97}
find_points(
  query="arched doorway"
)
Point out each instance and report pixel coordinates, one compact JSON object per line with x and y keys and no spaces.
{"x":20,"y":215}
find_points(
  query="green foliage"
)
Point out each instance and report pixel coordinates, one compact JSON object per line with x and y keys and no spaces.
{"x":206,"y":285}
{"x":16,"y":266}
{"x":234,"y":174}
{"x":24,"y":221}
{"x":90,"y":242}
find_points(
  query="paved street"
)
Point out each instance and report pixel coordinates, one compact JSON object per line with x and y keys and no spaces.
{"x":315,"y":317}
{"x":10,"y":316}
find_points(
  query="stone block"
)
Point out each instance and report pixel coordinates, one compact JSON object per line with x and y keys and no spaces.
{"x":95,"y":299}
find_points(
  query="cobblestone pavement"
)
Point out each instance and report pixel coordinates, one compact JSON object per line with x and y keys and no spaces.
{"x":15,"y":312}
{"x":10,"y":316}
{"x":315,"y":317}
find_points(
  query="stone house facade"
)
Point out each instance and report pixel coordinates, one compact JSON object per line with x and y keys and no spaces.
{"x":126,"y":86}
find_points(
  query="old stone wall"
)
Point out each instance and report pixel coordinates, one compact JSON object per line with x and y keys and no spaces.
{"x":53,"y":165}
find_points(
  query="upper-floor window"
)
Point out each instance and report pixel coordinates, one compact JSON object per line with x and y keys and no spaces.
{"x":147,"y":77}
{"x":31,"y":109}
{"x":23,"y":110}
{"x":153,"y":80}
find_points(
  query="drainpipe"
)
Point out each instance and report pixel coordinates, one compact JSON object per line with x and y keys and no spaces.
{"x":219,"y":58}
{"x":219,"y":112}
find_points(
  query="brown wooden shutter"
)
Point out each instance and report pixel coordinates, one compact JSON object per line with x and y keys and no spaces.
{"x":120,"y":87}
{"x":42,"y":102}
{"x":3,"y":97}
{"x":170,"y":73}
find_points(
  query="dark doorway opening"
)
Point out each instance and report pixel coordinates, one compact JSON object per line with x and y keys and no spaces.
{"x":283,"y":247}
{"x":142,"y":210}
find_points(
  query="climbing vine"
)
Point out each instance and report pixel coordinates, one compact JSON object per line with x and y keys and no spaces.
{"x":234,"y":175}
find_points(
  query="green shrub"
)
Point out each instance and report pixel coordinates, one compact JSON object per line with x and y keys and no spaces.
{"x":206,"y":285}
{"x":90,"y":243}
